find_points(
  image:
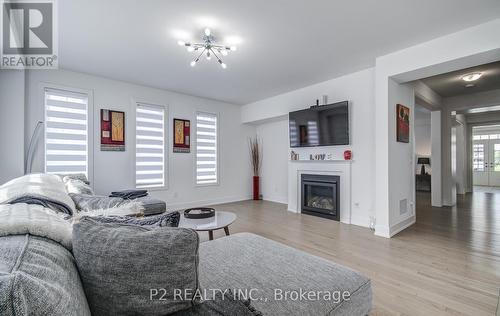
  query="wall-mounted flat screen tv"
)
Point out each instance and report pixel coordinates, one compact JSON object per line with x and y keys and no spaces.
{"x":326,"y":125}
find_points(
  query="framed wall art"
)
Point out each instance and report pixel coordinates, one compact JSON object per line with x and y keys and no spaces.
{"x":182,"y":130}
{"x":112,"y":130}
{"x":402,"y":124}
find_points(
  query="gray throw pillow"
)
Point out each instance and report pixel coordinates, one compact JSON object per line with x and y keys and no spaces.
{"x":171,"y":219}
{"x":135,"y":270}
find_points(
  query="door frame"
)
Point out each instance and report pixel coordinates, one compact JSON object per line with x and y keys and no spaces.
{"x":469,"y":143}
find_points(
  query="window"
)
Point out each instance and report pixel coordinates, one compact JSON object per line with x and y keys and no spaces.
{"x":485,"y":137}
{"x":66,"y":132}
{"x":206,"y":148}
{"x":478,"y":157}
{"x":496,"y":154}
{"x":150,"y":146}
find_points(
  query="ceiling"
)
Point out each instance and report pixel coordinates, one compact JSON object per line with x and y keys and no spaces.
{"x":451,"y":84}
{"x":283,"y":44}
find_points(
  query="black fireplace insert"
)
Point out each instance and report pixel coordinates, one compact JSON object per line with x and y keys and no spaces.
{"x":321,"y":195}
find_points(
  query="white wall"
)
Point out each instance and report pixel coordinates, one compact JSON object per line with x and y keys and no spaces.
{"x":115,"y":170}
{"x":358,"y":89}
{"x":461,"y":153}
{"x":436,"y":161}
{"x":11,"y":124}
{"x":401,"y":160}
{"x":274,"y":177}
{"x":422,"y":133}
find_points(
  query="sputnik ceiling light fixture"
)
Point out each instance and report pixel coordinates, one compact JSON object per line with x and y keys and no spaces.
{"x":208,"y":48}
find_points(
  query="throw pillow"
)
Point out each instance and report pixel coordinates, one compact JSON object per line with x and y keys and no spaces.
{"x":135,"y":270}
{"x":163,"y":220}
{"x":77,"y":186}
{"x":77,"y":176}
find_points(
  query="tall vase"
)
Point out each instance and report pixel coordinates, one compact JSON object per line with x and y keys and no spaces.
{"x":256,"y":190}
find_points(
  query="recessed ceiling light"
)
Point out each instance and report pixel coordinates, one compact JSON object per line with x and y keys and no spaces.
{"x":472,"y":76}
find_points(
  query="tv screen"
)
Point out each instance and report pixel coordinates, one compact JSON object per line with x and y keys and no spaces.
{"x":326,"y":125}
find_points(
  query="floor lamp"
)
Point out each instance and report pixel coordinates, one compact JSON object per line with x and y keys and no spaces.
{"x":31,"y":149}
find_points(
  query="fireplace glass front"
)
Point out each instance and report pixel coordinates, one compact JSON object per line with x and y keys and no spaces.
{"x":320,"y":195}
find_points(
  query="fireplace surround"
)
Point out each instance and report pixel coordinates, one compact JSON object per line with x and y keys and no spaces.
{"x":320,"y":195}
{"x":341,"y":168}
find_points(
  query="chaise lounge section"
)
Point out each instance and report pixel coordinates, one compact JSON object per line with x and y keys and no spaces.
{"x":285,"y":281}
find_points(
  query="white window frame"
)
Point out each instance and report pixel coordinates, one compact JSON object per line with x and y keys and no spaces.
{"x":90,"y":123}
{"x":166,"y":142}
{"x":195,"y":145}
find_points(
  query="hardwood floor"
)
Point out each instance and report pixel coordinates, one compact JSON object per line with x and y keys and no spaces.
{"x":448,"y":263}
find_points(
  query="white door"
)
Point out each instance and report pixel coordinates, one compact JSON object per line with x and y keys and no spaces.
{"x":480,"y":159}
{"x":494,"y":162}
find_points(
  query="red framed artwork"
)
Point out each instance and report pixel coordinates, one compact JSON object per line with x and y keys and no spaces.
{"x":112,"y":130}
{"x":182,"y":130}
{"x":402,"y":124}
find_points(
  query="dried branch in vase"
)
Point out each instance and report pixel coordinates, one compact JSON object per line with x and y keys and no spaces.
{"x":255,"y":146}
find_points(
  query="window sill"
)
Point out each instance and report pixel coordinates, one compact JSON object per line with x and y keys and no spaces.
{"x":163,"y":188}
{"x":207,"y":185}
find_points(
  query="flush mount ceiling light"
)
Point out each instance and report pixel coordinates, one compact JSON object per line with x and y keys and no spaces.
{"x":208,"y":49}
{"x":472,"y":76}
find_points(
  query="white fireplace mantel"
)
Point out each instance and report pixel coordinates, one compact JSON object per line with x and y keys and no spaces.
{"x":340,"y":168}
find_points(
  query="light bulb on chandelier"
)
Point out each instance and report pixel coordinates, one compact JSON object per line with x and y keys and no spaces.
{"x":208,"y":48}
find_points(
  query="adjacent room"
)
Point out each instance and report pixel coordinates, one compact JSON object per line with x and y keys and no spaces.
{"x":250,"y":158}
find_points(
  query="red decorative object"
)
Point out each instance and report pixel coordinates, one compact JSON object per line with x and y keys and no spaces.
{"x":256,"y":189}
{"x":347,"y":155}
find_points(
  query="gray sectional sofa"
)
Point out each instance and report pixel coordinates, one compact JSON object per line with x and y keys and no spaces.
{"x":39,"y":276}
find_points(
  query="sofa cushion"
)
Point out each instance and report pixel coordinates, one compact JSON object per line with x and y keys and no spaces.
{"x":77,"y":186}
{"x":274,"y":275}
{"x":38,"y":277}
{"x":133,"y":270}
{"x":221,"y":303}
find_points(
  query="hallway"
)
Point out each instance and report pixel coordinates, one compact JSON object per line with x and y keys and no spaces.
{"x":475,"y":218}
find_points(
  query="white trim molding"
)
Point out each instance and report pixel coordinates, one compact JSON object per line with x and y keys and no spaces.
{"x":340,"y":168}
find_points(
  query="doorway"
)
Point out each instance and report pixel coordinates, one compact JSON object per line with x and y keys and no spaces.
{"x":486,"y":156}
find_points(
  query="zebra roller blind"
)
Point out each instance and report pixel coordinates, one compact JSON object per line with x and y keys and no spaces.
{"x":66,"y":132}
{"x":150,"y":146}
{"x":206,"y":148}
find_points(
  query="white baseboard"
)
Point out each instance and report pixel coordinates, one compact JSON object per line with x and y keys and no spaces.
{"x":223,"y":200}
{"x":382,"y":231}
{"x":396,"y":228}
{"x":276,"y":199}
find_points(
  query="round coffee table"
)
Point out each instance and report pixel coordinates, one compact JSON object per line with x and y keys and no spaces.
{"x":221,"y":220}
